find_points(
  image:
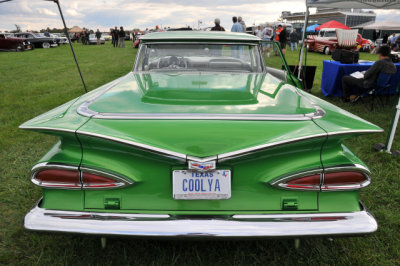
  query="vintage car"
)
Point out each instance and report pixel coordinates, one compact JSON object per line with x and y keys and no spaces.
{"x":365,"y":45}
{"x":37,"y":39}
{"x":93,"y":39}
{"x":9,"y":43}
{"x":202,"y":139}
{"x":60,"y":38}
{"x":136,"y":42}
{"x":329,"y":40}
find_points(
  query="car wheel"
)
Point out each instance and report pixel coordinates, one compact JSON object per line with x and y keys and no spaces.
{"x":327,"y":51}
{"x":19,"y":48}
{"x":46,"y":45}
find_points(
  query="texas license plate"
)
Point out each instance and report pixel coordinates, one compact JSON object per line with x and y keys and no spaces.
{"x":195,"y":185}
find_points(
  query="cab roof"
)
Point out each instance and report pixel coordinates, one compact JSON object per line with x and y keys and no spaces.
{"x":199,"y":36}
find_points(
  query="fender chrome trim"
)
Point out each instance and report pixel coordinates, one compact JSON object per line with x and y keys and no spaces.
{"x":217,"y":226}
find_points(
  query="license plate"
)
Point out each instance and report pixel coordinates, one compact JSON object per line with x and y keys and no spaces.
{"x":195,"y":185}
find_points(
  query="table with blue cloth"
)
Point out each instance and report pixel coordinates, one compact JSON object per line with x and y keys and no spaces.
{"x":333,"y":72}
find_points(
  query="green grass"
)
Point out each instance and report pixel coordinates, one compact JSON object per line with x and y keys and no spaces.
{"x":36,"y":81}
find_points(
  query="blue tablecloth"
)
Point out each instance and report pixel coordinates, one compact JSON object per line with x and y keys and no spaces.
{"x":333,"y":72}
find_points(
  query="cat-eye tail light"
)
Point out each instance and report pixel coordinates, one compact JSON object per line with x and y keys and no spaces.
{"x":56,"y":176}
{"x":61,"y":176}
{"x":330,"y":179}
{"x":92,"y":179}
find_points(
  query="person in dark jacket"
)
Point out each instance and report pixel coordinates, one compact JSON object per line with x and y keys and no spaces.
{"x":217,"y":26}
{"x":98,"y":37}
{"x":283,"y":39}
{"x":115,"y":36}
{"x":121,"y":37}
{"x":385,"y":39}
{"x":294,"y":39}
{"x":383,"y":65}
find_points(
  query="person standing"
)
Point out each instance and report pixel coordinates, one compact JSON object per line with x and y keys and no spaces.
{"x":236,"y":27}
{"x":385,"y":39}
{"x":294,"y":39}
{"x":115,"y":36}
{"x":267,"y":36}
{"x":258,"y":32}
{"x":283,"y":39}
{"x":217,"y":26}
{"x":121,"y":37}
{"x":240,"y":20}
{"x":98,"y":37}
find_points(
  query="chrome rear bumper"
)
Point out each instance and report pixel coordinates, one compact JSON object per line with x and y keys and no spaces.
{"x":236,"y":226}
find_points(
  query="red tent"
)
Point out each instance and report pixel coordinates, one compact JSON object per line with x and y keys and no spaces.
{"x":333,"y":24}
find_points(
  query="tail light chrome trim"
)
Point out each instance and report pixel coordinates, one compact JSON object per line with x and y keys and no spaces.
{"x":80,"y":184}
{"x":283,"y":182}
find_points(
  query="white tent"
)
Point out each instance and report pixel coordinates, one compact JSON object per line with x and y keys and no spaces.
{"x":370,"y":4}
{"x":367,"y":4}
{"x":383,"y":25}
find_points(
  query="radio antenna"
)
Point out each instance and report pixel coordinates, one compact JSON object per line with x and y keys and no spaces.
{"x":66,"y":34}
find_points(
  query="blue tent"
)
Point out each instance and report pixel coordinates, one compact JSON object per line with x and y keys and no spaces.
{"x":311,"y":28}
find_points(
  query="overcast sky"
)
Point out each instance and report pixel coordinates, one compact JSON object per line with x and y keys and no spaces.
{"x":103,"y":14}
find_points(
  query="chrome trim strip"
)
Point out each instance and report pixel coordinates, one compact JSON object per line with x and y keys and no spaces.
{"x":86,"y":111}
{"x":48,"y":129}
{"x":231,"y":155}
{"x":235,"y":226}
{"x":175,"y":155}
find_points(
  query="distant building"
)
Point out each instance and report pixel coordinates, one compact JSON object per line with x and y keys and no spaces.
{"x":349,"y":17}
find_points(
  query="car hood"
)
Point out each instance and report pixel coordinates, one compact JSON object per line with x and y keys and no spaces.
{"x":199,"y":94}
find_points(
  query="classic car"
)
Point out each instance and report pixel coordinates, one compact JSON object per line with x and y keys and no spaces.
{"x":136,"y":42}
{"x":329,"y":40}
{"x":365,"y":45}
{"x":60,"y":38}
{"x":93,"y":39}
{"x":106,"y":36}
{"x":9,"y":43}
{"x":202,"y":139}
{"x":37,"y":39}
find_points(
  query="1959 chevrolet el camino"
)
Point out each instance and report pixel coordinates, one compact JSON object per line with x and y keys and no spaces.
{"x":201,"y":139}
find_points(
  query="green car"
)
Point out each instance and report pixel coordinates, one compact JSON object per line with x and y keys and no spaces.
{"x":202,"y":139}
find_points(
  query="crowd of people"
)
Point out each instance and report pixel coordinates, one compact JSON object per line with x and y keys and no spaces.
{"x":268,"y":33}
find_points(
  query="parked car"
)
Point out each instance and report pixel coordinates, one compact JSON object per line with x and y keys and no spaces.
{"x":136,"y":42}
{"x":329,"y":40}
{"x":365,"y":44}
{"x":60,"y":38}
{"x":106,"y":36}
{"x":93,"y":39}
{"x":37,"y":39}
{"x":127,"y":35}
{"x":9,"y":43}
{"x":201,"y":139}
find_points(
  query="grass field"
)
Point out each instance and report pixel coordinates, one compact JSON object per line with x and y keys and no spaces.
{"x":36,"y":81}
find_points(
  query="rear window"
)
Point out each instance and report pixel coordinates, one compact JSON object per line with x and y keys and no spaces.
{"x":199,"y":57}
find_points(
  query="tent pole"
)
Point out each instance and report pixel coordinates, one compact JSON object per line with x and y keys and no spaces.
{"x":392,"y":131}
{"x":304,"y":42}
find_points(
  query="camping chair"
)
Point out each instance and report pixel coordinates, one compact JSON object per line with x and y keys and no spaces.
{"x":381,"y":87}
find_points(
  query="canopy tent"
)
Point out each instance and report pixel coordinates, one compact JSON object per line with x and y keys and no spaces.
{"x":333,"y":24}
{"x":311,"y":28}
{"x":75,"y":29}
{"x":383,"y":25}
{"x":367,"y":4}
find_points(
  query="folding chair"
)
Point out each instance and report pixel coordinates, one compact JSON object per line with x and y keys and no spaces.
{"x":381,"y":87}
